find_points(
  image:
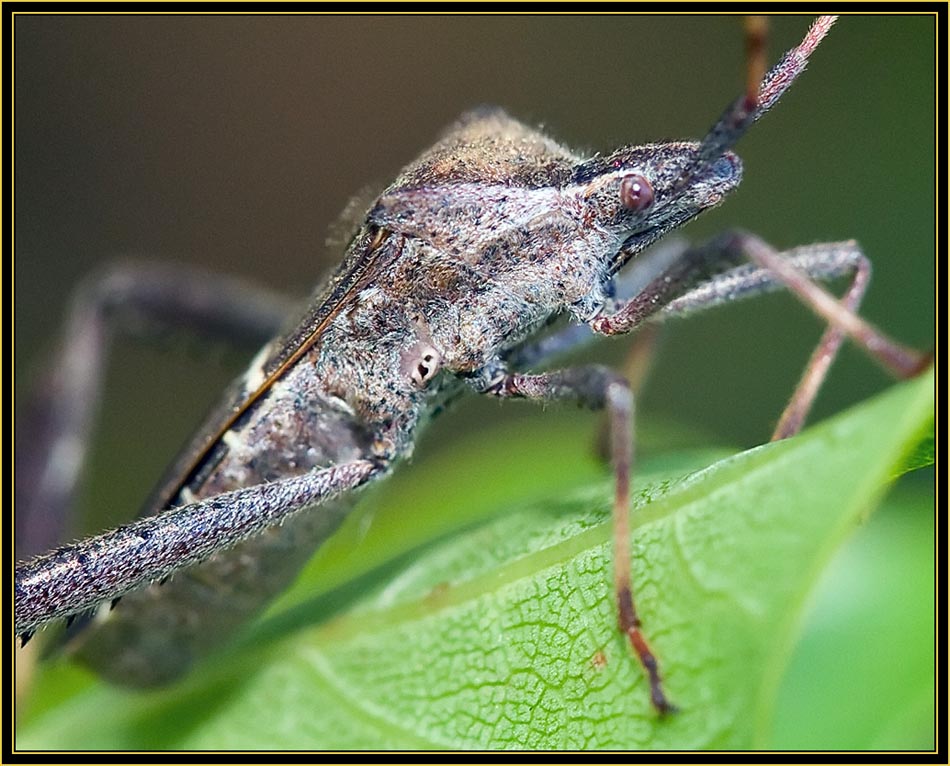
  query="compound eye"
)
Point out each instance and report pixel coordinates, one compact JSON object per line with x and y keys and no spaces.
{"x":636,"y":194}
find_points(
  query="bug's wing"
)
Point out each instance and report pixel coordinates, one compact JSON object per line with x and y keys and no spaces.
{"x":371,"y":252}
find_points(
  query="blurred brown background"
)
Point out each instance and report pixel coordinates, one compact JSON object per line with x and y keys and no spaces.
{"x":234,"y":141}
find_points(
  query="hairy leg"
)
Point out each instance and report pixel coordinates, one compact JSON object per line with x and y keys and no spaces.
{"x":602,"y":388}
{"x":78,"y":577}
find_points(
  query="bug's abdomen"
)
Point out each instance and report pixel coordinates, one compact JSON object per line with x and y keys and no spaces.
{"x":155,"y":634}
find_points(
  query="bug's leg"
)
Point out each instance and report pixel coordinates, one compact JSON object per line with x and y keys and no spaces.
{"x":54,"y":423}
{"x":821,"y":261}
{"x":700,"y":281}
{"x":78,"y":577}
{"x":634,"y":278}
{"x":843,"y":322}
{"x":601,"y":388}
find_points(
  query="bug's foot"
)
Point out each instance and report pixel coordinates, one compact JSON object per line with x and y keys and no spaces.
{"x":645,"y":655}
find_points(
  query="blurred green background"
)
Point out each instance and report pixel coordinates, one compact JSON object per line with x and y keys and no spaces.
{"x":233,"y":142}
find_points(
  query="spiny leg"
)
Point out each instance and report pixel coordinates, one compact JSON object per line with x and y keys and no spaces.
{"x":55,"y":422}
{"x":78,"y":577}
{"x":816,"y":370}
{"x":899,"y":360}
{"x":821,"y":261}
{"x":698,"y":282}
{"x":707,"y":276}
{"x":602,"y":388}
{"x":796,"y":269}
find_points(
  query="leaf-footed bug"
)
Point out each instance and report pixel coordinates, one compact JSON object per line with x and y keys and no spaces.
{"x":468,"y":293}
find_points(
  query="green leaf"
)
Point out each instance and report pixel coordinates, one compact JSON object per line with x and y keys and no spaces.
{"x":874,"y":603}
{"x":502,"y":634}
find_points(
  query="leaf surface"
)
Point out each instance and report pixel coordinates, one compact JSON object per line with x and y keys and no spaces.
{"x":502,"y":634}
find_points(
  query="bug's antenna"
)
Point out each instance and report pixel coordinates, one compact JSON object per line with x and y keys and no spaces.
{"x":756,"y":37}
{"x":762,"y":93}
{"x":783,"y":74}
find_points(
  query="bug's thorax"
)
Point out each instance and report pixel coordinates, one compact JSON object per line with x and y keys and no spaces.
{"x":479,"y":242}
{"x":476,"y":245}
{"x":508,"y":204}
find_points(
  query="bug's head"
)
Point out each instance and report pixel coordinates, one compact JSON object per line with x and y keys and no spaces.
{"x":648,"y":190}
{"x":642,"y":192}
